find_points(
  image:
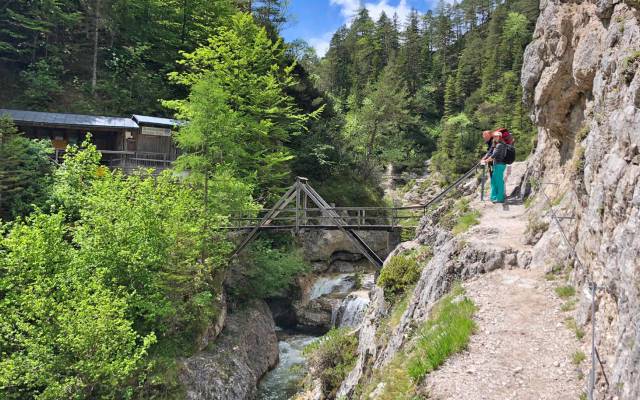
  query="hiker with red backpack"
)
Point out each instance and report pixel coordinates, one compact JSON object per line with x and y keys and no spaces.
{"x":500,"y":153}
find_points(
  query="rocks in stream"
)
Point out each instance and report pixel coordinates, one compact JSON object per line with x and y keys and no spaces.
{"x":232,"y":366}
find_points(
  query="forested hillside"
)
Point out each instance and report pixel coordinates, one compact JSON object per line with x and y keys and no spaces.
{"x":431,"y":83}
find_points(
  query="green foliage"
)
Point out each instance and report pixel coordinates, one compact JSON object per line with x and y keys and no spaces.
{"x":458,"y":147}
{"x":42,"y":82}
{"x":402,"y":271}
{"x":73,"y":179}
{"x":64,"y":334}
{"x":466,"y":221}
{"x":332,"y":357}
{"x":49,"y":45}
{"x":572,"y":325}
{"x":564,"y":292}
{"x":25,"y":172}
{"x":460,"y":59}
{"x":630,"y":65}
{"x":238,"y":106}
{"x":84,"y":296}
{"x":269,"y":270}
{"x":398,"y":385}
{"x":568,"y":305}
{"x":460,"y":217}
{"x":577,"y":357}
{"x":446,"y":332}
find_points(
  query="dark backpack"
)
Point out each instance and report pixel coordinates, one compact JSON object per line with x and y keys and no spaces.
{"x":510,"y":157}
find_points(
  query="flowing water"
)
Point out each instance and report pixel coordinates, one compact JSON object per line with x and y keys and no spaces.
{"x":340,"y":283}
{"x":281,"y":383}
{"x":352,"y":310}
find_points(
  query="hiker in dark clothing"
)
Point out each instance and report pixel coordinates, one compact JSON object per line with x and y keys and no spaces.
{"x":497,"y":158}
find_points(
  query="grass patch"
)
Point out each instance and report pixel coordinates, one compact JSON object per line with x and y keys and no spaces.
{"x":398,"y":309}
{"x":397,"y":383}
{"x":445,"y":333}
{"x":536,"y":227}
{"x":528,"y":202}
{"x":577,"y":357}
{"x":555,"y":272}
{"x":331,"y":358}
{"x":402,"y":271}
{"x":568,"y":305}
{"x":564,"y":292}
{"x":466,"y":221}
{"x":630,"y":65}
{"x":573,"y":326}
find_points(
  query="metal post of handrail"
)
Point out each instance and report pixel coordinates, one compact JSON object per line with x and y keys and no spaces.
{"x":592,"y":376}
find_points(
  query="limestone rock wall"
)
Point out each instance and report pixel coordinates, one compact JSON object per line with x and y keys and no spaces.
{"x":245,"y":350}
{"x":581,"y":79}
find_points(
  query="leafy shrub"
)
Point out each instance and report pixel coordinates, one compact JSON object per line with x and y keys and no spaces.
{"x":63,"y":333}
{"x":331,"y":358}
{"x":269,"y":270}
{"x":42,"y":82}
{"x":25,"y":172}
{"x":401,"y":272}
{"x":446,"y":332}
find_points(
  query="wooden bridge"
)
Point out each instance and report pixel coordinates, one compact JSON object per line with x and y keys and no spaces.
{"x":301,"y":208}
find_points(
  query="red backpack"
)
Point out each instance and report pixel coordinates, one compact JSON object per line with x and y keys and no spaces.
{"x":506,"y":135}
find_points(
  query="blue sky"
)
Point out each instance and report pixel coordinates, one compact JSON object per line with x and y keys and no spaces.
{"x":316,"y":20}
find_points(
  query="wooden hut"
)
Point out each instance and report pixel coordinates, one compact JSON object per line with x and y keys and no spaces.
{"x":125,"y":142}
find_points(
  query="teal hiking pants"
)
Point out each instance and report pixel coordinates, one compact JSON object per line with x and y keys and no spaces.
{"x":497,"y":183}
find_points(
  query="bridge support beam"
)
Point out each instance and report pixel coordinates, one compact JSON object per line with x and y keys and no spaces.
{"x":301,"y":191}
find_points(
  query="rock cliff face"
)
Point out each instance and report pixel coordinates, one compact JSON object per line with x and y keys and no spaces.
{"x":581,"y":79}
{"x":245,"y":350}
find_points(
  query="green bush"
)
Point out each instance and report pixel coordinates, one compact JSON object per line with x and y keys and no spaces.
{"x":446,"y":332}
{"x":269,"y":270}
{"x":332,"y":357}
{"x":401,"y":272}
{"x":25,"y":172}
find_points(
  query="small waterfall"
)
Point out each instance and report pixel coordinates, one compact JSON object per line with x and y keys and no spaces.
{"x":335,"y":307}
{"x":341,"y":283}
{"x":352,"y":310}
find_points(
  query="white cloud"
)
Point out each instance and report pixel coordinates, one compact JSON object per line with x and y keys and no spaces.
{"x":402,"y":9}
{"x":321,"y":44}
{"x":348,"y":8}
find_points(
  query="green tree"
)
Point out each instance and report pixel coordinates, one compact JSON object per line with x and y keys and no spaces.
{"x":375,"y":129}
{"x":25,"y":172}
{"x":245,"y":64}
{"x":410,"y":56}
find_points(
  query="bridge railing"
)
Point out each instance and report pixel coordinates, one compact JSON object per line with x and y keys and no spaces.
{"x":366,"y":217}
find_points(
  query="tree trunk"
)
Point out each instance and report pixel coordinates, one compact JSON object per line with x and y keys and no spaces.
{"x":94,"y":74}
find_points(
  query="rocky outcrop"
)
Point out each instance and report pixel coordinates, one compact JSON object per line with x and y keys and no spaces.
{"x":231,"y":367}
{"x":328,"y":246}
{"x":454,"y":258}
{"x":581,"y":79}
